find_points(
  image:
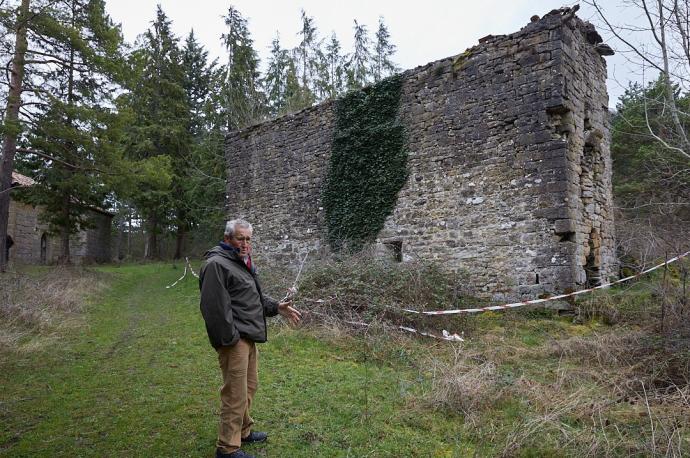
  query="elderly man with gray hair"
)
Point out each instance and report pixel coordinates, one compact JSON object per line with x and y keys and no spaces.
{"x":235,"y":310}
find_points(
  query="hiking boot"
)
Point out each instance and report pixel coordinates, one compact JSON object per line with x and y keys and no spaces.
{"x":239,"y":453}
{"x":254,"y":437}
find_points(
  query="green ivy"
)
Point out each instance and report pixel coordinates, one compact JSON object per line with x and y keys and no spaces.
{"x":368,"y":164}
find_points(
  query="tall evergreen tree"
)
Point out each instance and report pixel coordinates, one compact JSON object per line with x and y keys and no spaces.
{"x":359,"y":64}
{"x":243,"y":102}
{"x":197,"y":81}
{"x":334,"y":82}
{"x":308,"y":60}
{"x":18,"y":22}
{"x":159,"y":129}
{"x":204,"y":187}
{"x":275,"y":81}
{"x":74,"y":57}
{"x":383,"y":66}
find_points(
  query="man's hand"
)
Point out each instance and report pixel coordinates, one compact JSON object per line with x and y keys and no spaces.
{"x":293,"y":315}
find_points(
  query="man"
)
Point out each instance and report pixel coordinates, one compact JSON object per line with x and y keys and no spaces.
{"x":235,"y":312}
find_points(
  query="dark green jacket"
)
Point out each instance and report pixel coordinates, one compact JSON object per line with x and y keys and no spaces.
{"x":231,"y":300}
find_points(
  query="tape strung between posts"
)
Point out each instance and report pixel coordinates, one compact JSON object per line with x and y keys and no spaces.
{"x":547,"y":299}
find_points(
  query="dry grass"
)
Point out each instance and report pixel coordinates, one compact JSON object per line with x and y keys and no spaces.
{"x":466,"y":384}
{"x":611,"y":381}
{"x":40,"y":302}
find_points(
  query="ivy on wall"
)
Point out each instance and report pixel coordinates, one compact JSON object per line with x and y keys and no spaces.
{"x":368,"y":164}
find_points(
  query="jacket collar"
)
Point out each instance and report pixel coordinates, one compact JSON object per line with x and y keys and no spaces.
{"x":236,"y":252}
{"x":227,"y":247}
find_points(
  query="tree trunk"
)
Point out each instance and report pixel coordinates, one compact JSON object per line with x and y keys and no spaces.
{"x":129,"y":233}
{"x":67,"y":198}
{"x":11,"y":125}
{"x":120,"y":240}
{"x":64,"y":232}
{"x":152,"y":245}
{"x":179,"y":243}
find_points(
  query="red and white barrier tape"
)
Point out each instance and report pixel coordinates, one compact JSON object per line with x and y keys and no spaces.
{"x":188,"y":265}
{"x":179,"y":279}
{"x":190,"y":268}
{"x":445,"y":335}
{"x":547,"y":299}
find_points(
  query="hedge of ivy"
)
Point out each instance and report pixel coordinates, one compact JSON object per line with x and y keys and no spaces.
{"x":368,"y":164}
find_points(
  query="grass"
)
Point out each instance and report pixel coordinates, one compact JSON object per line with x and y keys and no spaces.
{"x":137,"y":377}
{"x":142,"y":380}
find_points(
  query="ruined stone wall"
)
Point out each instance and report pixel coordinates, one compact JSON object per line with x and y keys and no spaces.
{"x":509,"y":167}
{"x":97,"y":246}
{"x":27,"y":231}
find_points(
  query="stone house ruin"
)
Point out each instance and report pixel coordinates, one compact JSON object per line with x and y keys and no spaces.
{"x":509,"y":170}
{"x":32,"y":243}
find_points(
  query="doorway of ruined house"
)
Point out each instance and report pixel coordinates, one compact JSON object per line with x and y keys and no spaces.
{"x":44,"y":248}
{"x":593,"y":260}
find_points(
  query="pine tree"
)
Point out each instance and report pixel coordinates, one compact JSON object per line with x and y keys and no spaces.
{"x":359,"y":64}
{"x":73,"y":59}
{"x":11,"y":128}
{"x":158,"y":132}
{"x":334,"y":68}
{"x":383,"y":66}
{"x":204,"y":186}
{"x":243,"y":102}
{"x":197,"y":81}
{"x":276,"y":79}
{"x":308,"y":60}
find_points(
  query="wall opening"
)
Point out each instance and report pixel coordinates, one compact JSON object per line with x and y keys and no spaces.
{"x":567,"y":237}
{"x":394,"y":249}
{"x":44,"y":248}
{"x":593,"y":260}
{"x":8,"y":244}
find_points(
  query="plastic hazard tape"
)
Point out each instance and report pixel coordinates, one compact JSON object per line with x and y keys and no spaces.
{"x":190,"y":268}
{"x":547,"y":299}
{"x":188,"y":265}
{"x":445,"y":335}
{"x":179,"y":279}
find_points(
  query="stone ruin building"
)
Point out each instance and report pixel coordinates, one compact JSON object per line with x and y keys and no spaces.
{"x":508,"y":160}
{"x":34,"y":244}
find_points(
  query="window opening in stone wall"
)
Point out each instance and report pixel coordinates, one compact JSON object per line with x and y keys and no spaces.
{"x":8,"y":244}
{"x":44,"y":248}
{"x":567,"y":237}
{"x":593,"y":261}
{"x":394,"y":248}
{"x":536,"y":279}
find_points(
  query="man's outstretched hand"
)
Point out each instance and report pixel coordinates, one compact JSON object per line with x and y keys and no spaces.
{"x":292,"y":314}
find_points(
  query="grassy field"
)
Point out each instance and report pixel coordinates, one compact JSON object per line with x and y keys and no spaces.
{"x":133,"y":375}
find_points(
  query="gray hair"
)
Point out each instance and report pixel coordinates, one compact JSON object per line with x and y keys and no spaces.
{"x":232,"y":225}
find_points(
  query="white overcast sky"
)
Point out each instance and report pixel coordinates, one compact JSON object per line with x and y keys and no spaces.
{"x":423,"y":31}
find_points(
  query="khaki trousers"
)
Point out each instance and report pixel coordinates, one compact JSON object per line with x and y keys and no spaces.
{"x":238,"y":364}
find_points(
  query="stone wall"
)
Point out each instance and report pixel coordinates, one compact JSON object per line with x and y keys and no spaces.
{"x":510,"y":174}
{"x":33,"y":243}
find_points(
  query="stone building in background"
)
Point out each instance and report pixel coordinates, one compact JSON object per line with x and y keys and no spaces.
{"x":33,"y":244}
{"x":508,"y":158}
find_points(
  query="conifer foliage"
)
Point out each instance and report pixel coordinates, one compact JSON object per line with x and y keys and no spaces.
{"x":71,"y":57}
